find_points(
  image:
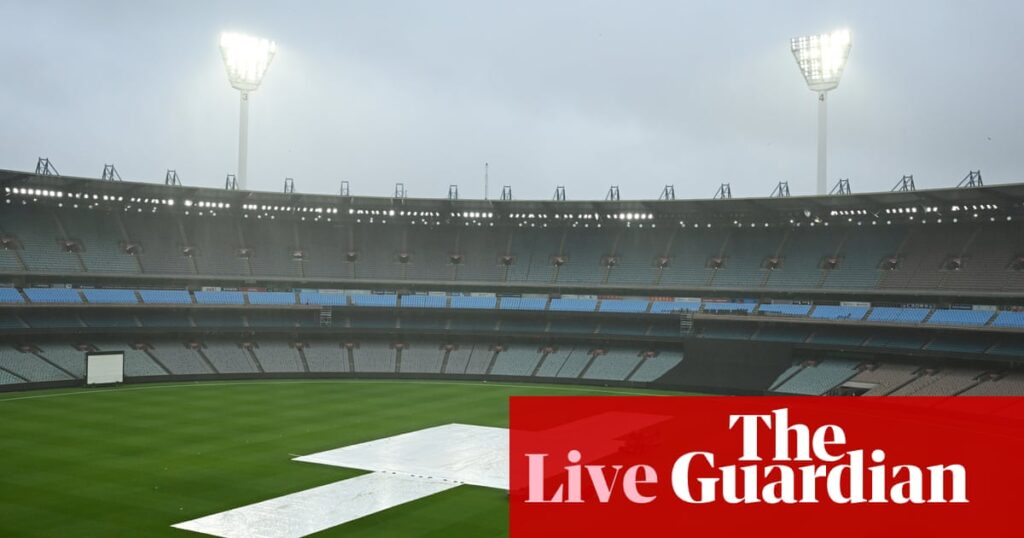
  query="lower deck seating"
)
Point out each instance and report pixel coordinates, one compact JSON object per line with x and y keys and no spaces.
{"x":278,"y":356}
{"x":326,"y":357}
{"x":819,"y":378}
{"x":654,"y":367}
{"x":65,"y":357}
{"x":422,"y":358}
{"x":30,"y":367}
{"x":945,"y":382}
{"x":179,"y":359}
{"x":575,"y":364}
{"x":885,"y":377}
{"x":479,"y":360}
{"x":458,"y":359}
{"x":553,"y":361}
{"x":229,"y":358}
{"x":374,"y":357}
{"x":516,"y":361}
{"x":614,"y":365}
{"x":7,"y":378}
{"x":1009,"y":385}
{"x":53,"y":361}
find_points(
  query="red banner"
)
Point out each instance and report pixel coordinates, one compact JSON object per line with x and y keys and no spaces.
{"x":765,"y":466}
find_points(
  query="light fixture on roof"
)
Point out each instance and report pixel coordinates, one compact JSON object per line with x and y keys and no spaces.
{"x":821,"y":59}
{"x":246,"y":59}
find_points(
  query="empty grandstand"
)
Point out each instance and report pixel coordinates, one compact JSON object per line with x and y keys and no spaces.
{"x":896,"y":293}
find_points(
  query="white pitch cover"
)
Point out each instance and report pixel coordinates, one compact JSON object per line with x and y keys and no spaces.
{"x":474,"y":455}
{"x":317,"y":509}
{"x":404,"y":467}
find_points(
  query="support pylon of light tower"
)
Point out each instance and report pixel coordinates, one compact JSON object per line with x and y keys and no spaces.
{"x":45,"y":168}
{"x":972,"y":179}
{"x":905,"y":184}
{"x":110,"y":173}
{"x":841,"y":188}
{"x":781,"y":190}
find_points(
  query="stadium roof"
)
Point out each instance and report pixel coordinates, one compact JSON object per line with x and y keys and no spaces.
{"x":1003,"y":199}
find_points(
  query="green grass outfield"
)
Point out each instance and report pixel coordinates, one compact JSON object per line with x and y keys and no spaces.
{"x":132,"y":460}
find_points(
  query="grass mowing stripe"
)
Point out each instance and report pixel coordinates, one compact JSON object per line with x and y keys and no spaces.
{"x":133,"y":460}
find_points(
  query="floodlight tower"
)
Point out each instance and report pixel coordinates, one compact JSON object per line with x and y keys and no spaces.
{"x":246,"y":59}
{"x":821,"y":59}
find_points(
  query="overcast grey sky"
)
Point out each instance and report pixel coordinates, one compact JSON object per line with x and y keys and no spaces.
{"x":579,"y":93}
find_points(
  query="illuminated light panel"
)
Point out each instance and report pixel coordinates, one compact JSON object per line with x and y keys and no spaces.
{"x":822,"y":58}
{"x":246,"y":59}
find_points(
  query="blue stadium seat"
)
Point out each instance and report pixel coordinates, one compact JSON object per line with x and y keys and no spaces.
{"x":53,"y":295}
{"x":624,"y":305}
{"x":165,"y":296}
{"x":961,"y":317}
{"x":855,"y":313}
{"x":103,"y":296}
{"x":382,"y":300}
{"x":1009,"y":319}
{"x":729,"y":307}
{"x":323,"y":299}
{"x":463,"y":301}
{"x":424,"y":301}
{"x":219,"y":297}
{"x":898,"y":315}
{"x":10,"y":296}
{"x":665,"y":307}
{"x":573,"y":305}
{"x":523,"y":303}
{"x":785,"y":309}
{"x":271,"y":297}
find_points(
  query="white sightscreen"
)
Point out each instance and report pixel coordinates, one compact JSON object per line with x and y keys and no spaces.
{"x":103,"y":368}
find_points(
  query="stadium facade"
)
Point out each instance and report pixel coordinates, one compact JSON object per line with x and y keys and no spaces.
{"x":891,"y":293}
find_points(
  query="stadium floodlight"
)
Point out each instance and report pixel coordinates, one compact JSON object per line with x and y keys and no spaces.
{"x":246,"y":59}
{"x":821,"y":59}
